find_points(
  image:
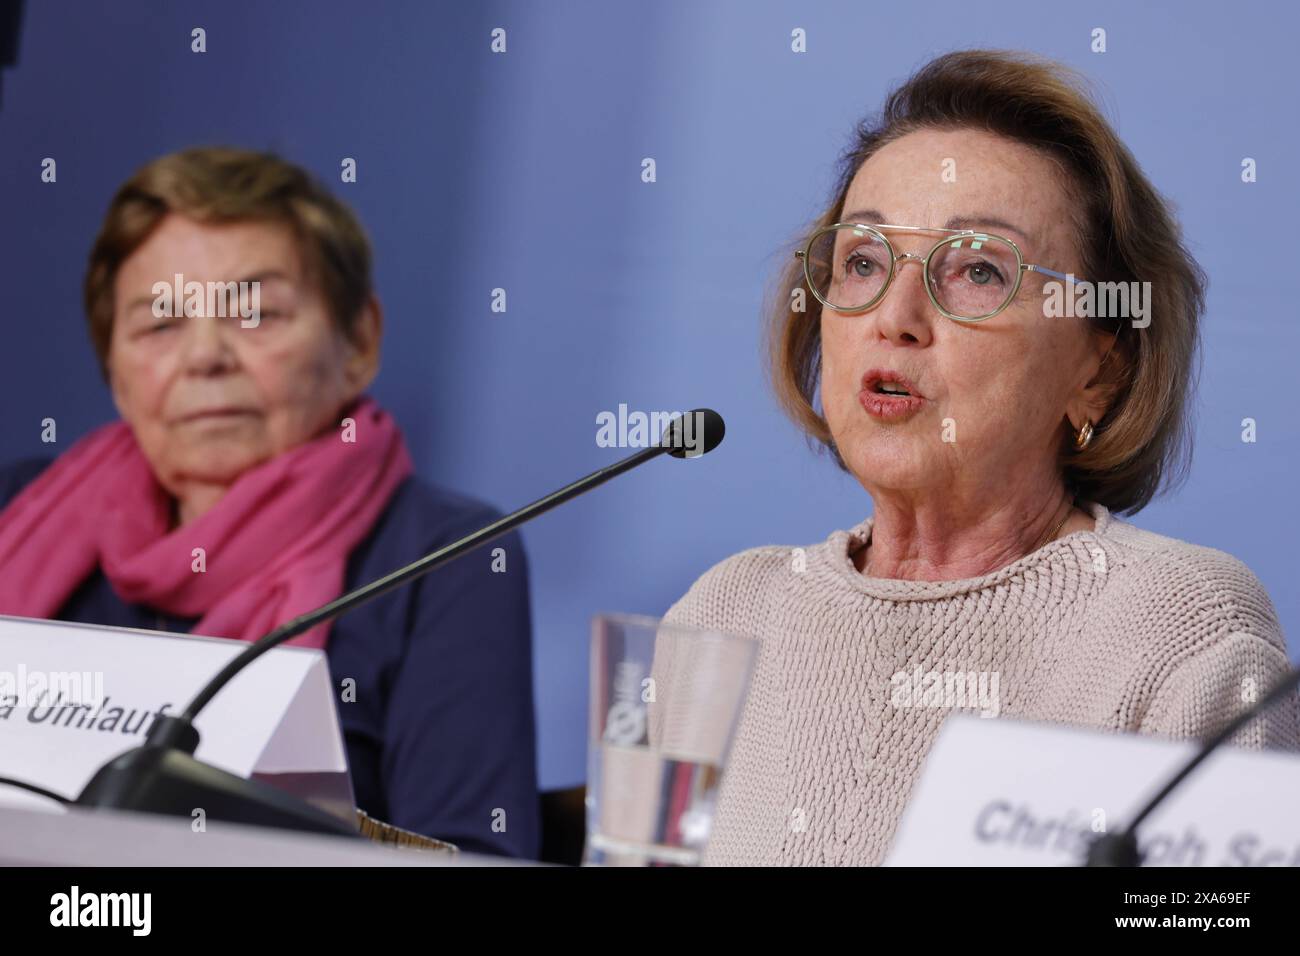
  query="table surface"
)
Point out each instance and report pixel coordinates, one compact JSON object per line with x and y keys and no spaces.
{"x":80,"y":837}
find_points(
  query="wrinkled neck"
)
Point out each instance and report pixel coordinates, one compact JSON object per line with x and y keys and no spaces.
{"x":944,"y":543}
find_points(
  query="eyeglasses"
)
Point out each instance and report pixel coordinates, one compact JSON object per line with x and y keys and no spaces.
{"x":969,"y":276}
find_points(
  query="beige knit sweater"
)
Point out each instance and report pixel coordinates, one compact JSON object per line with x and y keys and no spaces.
{"x":1115,"y":628}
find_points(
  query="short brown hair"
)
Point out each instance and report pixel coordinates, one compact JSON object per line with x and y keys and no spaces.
{"x":1127,"y":233}
{"x":218,"y":185}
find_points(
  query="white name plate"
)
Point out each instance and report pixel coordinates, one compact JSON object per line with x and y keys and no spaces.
{"x":1014,"y":793}
{"x":73,"y":696}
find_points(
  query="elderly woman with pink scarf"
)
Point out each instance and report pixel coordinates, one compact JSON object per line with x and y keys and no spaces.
{"x":251,"y":479}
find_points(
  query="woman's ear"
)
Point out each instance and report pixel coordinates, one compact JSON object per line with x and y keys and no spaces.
{"x":363,"y":346}
{"x":114,"y":384}
{"x":1107,"y":360}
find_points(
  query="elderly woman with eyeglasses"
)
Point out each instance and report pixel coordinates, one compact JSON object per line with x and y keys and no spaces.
{"x":920,"y":335}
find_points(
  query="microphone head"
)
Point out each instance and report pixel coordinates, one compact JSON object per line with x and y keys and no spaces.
{"x":696,"y":433}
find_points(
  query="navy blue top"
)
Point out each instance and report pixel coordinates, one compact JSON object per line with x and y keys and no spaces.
{"x":440,"y":736}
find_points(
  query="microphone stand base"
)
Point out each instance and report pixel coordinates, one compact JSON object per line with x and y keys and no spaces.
{"x":1114,"y":849}
{"x":165,"y":780}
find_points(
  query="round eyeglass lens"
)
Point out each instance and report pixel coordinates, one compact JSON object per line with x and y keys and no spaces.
{"x":973,"y":276}
{"x":847,"y":267}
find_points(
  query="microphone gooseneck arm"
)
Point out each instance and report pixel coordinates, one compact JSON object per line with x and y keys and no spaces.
{"x":179,"y":732}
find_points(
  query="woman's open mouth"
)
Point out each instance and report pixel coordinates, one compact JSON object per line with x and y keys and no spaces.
{"x":888,"y":396}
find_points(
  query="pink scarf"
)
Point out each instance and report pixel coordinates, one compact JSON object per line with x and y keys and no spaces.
{"x":275,"y":545}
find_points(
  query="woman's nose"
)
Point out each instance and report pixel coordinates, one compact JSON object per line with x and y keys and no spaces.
{"x":906,"y":315}
{"x":207,"y":346}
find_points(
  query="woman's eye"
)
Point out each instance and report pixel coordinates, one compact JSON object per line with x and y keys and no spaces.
{"x":981,"y":273}
{"x":860,"y":266}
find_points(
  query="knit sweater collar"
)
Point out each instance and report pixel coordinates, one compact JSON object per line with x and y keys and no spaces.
{"x":1073,"y":547}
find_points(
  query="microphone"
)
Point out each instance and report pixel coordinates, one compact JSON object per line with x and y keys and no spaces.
{"x":1121,"y":849}
{"x":163,"y":776}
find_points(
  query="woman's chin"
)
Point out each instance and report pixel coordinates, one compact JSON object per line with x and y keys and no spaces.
{"x":877,"y":474}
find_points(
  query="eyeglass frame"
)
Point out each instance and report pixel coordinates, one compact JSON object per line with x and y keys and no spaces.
{"x":949,"y":234}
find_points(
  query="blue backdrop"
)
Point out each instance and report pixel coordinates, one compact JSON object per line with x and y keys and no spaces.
{"x":522,"y":171}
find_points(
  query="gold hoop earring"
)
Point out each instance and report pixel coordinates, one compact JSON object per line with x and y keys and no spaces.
{"x":1083,"y":437}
